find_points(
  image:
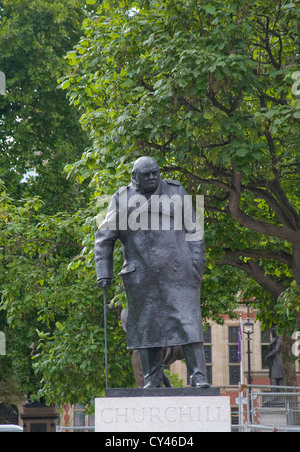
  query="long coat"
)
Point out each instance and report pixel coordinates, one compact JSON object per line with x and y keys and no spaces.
{"x":276,"y":366}
{"x":162,"y":270}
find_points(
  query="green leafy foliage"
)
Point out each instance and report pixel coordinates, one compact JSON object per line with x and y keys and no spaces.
{"x":52,"y":305}
{"x":50,"y":308}
{"x":207,"y":90}
{"x":39,"y":132}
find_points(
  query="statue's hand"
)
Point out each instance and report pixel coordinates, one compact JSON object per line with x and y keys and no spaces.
{"x":104,"y":283}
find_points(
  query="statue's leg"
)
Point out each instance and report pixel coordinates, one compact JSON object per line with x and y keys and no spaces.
{"x":195,"y":361}
{"x":151,"y":362}
{"x":166,"y":381}
{"x":137,"y":369}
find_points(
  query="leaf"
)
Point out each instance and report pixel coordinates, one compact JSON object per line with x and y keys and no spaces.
{"x":65,"y":85}
{"x":242,"y":151}
{"x":289,"y":6}
{"x":210,"y":9}
{"x":129,"y":83}
{"x":59,"y":326}
{"x":158,"y":84}
{"x":208,"y":115}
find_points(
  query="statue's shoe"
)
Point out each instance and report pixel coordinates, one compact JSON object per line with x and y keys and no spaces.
{"x":200,"y":382}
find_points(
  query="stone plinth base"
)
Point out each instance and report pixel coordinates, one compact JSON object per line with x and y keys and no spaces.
{"x":163,"y":410}
{"x":162,"y":392}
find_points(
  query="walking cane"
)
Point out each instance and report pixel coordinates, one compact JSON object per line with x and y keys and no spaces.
{"x":105,"y":336}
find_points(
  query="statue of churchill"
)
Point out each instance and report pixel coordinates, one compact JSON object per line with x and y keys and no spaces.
{"x":162,"y":272}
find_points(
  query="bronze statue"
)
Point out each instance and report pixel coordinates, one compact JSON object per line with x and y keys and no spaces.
{"x":276,"y":367}
{"x":164,"y":260}
{"x":169,"y":354}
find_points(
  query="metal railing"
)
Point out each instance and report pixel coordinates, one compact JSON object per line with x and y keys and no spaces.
{"x":269,"y":408}
{"x":81,"y":429}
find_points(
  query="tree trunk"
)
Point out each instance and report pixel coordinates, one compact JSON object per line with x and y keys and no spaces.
{"x":288,"y":362}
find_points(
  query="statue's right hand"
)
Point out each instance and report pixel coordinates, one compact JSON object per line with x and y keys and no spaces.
{"x":104,"y":283}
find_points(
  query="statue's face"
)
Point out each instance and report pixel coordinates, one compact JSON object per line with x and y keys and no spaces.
{"x":148,"y":178}
{"x":274,"y":331}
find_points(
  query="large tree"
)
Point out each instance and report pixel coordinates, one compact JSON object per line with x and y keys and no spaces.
{"x":39,"y":132}
{"x":210,"y":90}
{"x":207,"y":89}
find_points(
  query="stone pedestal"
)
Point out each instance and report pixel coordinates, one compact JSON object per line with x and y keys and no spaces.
{"x":163,"y":410}
{"x":162,"y":392}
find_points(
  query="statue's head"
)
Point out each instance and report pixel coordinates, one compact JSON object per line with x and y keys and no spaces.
{"x":146,"y":175}
{"x":274,"y":331}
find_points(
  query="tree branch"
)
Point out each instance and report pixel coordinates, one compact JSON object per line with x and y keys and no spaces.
{"x":52,"y":242}
{"x":196,"y":178}
{"x":267,"y":30}
{"x":186,"y":103}
{"x":258,"y":274}
{"x":234,"y":190}
{"x":271,"y":98}
{"x":273,"y":204}
{"x":279,"y":256}
{"x":216,"y":103}
{"x":250,"y":222}
{"x":288,"y":209}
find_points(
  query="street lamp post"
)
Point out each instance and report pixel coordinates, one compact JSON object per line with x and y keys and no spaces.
{"x":248,"y":329}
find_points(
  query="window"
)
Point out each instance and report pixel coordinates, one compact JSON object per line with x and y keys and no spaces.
{"x":233,"y":354}
{"x":233,"y":334}
{"x":265,"y":347}
{"x":207,"y":335}
{"x":208,"y":354}
{"x":79,"y":416}
{"x":81,"y":419}
{"x":234,"y":375}
{"x":234,"y":363}
{"x":234,"y":415}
